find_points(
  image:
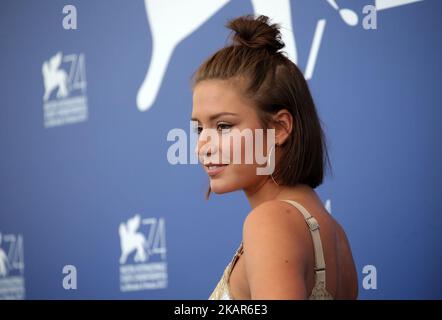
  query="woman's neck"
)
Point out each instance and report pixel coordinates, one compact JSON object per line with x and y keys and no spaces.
{"x":268,"y":190}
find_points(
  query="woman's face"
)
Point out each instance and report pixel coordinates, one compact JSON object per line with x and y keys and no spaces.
{"x":217,"y":105}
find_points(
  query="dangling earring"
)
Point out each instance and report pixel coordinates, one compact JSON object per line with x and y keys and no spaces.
{"x":269,"y":159}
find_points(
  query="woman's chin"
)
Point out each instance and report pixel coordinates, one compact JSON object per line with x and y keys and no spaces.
{"x":219,"y":188}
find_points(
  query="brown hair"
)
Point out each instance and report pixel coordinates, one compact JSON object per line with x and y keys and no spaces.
{"x":272,"y":82}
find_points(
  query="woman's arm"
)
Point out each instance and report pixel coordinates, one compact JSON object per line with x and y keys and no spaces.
{"x":277,"y":247}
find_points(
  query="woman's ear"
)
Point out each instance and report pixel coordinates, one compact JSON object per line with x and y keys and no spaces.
{"x":283,"y":123}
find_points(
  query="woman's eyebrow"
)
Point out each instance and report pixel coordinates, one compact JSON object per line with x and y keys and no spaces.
{"x":216,"y":115}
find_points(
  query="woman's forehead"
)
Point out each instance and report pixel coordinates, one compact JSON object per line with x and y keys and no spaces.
{"x":213,"y":96}
{"x":212,"y":91}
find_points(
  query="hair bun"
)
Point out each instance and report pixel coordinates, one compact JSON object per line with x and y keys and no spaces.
{"x":256,"y":33}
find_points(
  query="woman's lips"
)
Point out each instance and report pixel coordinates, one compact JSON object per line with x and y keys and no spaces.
{"x":214,"y":169}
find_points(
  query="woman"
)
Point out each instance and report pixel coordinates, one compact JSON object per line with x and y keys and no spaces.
{"x":283,"y":255}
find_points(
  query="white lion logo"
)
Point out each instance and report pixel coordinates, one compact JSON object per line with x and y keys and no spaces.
{"x":54,"y":77}
{"x":192,"y":14}
{"x":4,"y":262}
{"x":131,"y":240}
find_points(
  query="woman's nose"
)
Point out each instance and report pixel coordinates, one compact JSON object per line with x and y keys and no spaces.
{"x":204,"y":149}
{"x":206,"y":146}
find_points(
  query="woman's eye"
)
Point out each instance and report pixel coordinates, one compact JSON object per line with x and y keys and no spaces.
{"x":224,"y":126}
{"x":221,"y":126}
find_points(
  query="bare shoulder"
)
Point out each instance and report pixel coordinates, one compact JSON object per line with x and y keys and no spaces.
{"x":276,"y":250}
{"x":279,"y":253}
{"x":274,"y":215}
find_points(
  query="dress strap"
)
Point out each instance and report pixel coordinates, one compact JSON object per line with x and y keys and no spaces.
{"x":237,"y":254}
{"x":313,"y":226}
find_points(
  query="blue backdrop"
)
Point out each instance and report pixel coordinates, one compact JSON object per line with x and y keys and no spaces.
{"x":90,"y":206}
